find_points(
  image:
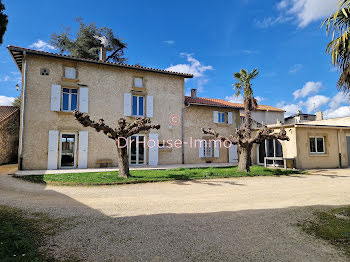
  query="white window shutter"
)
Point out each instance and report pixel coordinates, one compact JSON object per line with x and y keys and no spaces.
{"x":127,"y":104}
{"x":70,"y":72}
{"x":55,"y":97}
{"x":52,"y":149}
{"x":229,"y":118}
{"x":216,"y":117}
{"x":201,"y":148}
{"x":83,"y":149}
{"x":216,"y":148}
{"x":232,"y":154}
{"x":83,"y":99}
{"x":153,"y":149}
{"x":149,"y":108}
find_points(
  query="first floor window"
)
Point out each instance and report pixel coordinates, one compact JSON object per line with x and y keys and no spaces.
{"x":138,"y":82}
{"x":317,"y":145}
{"x":70,"y":72}
{"x":207,"y":148}
{"x":69,"y":99}
{"x":221,"y":117}
{"x":137,"y":105}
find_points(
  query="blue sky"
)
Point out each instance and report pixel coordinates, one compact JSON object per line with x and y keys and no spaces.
{"x":211,"y":39}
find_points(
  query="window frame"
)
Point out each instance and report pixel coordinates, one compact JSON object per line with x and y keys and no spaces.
{"x":219,"y":118}
{"x":137,"y":106}
{"x":315,"y":144}
{"x":69,"y":99}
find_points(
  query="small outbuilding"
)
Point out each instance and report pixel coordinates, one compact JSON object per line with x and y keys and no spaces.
{"x":322,"y":143}
{"x":9,"y":134}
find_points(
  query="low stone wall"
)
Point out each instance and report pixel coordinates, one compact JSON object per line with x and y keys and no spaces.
{"x":9,"y":137}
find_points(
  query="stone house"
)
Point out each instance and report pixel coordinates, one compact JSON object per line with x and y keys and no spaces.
{"x":9,"y":132}
{"x":55,"y":85}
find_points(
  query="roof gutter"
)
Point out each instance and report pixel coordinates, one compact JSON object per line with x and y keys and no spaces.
{"x":23,"y":102}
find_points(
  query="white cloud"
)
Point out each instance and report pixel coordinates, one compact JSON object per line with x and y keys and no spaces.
{"x":5,"y":79}
{"x":6,"y":100}
{"x":295,"y":68}
{"x":239,"y":99}
{"x":338,"y":99}
{"x":302,"y":11}
{"x":271,"y":21}
{"x":290,"y":109}
{"x":169,"y":42}
{"x":315,"y":102}
{"x":42,"y":46}
{"x":234,"y":99}
{"x":308,"y":11}
{"x":338,"y":112}
{"x":308,"y":88}
{"x":193,"y":67}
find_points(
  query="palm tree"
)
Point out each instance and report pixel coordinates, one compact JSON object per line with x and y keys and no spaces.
{"x":338,"y":25}
{"x":242,"y":137}
{"x":243,"y":86}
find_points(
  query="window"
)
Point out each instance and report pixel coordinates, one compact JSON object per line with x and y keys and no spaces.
{"x":138,"y":82}
{"x":317,"y":145}
{"x":221,"y":117}
{"x":70,"y":72}
{"x":137,"y":105}
{"x":207,"y":148}
{"x":69,"y":99}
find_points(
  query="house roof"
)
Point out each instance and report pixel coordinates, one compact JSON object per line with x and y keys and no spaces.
{"x":223,"y":103}
{"x":7,"y":111}
{"x":18,"y":53}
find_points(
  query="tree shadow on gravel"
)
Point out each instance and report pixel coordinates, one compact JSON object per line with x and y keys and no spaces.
{"x":86,"y":234}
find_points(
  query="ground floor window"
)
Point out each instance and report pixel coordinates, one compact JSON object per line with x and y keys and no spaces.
{"x":207,"y":148}
{"x":317,"y":145}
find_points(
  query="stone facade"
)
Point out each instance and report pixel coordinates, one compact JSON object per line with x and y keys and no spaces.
{"x":9,"y":133}
{"x":197,"y":117}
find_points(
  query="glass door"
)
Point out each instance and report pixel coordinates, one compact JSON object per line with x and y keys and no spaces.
{"x":68,"y":150}
{"x":137,"y":150}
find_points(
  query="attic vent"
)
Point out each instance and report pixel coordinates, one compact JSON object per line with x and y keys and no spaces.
{"x":44,"y":71}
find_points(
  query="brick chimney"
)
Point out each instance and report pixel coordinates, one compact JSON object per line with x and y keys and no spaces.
{"x":193,"y":93}
{"x":319,"y":116}
{"x":103,"y":54}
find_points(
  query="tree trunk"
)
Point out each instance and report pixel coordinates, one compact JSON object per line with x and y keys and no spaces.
{"x":123,"y":161}
{"x":244,"y":159}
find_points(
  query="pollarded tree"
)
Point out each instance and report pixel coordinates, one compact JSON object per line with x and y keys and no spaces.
{"x":243,"y":136}
{"x":85,"y":45}
{"x":120,"y":134}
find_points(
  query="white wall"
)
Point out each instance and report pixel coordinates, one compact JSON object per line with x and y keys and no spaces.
{"x":267,"y":117}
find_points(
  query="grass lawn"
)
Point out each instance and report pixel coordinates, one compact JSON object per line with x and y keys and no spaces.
{"x":142,"y":176}
{"x":333,"y":226}
{"x":21,"y":235}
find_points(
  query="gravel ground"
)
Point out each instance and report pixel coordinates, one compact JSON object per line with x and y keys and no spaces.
{"x":241,"y":219}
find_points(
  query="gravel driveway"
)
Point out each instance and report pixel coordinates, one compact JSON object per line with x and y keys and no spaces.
{"x":240,"y":219}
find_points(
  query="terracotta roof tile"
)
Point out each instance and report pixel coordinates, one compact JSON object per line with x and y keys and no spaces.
{"x":17,"y":54}
{"x":7,"y":111}
{"x":224,"y":103}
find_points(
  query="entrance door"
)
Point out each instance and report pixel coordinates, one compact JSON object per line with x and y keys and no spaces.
{"x":68,"y":150}
{"x":348,"y":147}
{"x":137,"y":150}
